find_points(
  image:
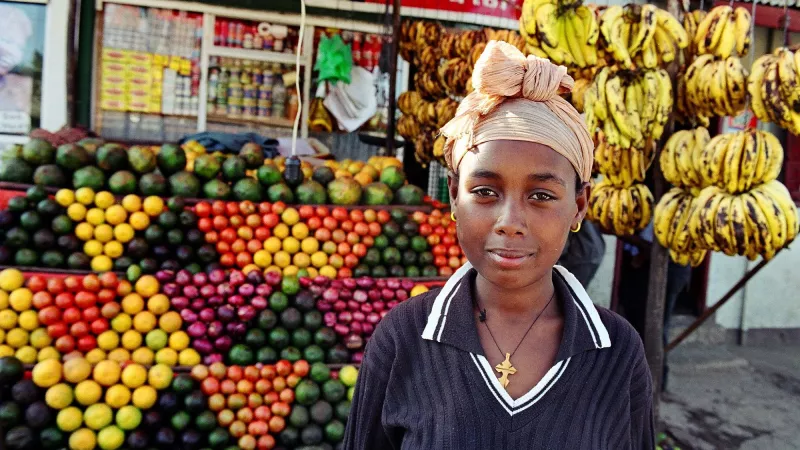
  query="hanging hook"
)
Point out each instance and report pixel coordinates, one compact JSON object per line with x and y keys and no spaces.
{"x":786,"y":20}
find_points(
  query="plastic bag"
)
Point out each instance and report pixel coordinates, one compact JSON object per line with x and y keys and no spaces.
{"x":334,"y":60}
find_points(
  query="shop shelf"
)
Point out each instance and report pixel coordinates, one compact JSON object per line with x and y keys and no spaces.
{"x":257,"y":55}
{"x":266,"y":121}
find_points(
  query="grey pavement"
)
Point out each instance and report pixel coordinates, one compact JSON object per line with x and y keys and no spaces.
{"x":730,"y":397}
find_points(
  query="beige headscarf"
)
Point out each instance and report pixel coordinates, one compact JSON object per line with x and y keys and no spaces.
{"x":517,"y":98}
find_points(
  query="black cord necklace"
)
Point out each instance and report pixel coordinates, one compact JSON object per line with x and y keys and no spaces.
{"x":506,"y":368}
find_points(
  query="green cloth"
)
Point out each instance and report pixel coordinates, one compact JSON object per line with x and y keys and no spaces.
{"x":334,"y":59}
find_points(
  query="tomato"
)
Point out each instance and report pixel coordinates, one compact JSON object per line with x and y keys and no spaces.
{"x":336,"y":260}
{"x":338,"y":236}
{"x":440,"y":261}
{"x":322,"y":234}
{"x":254,"y":400}
{"x":212,"y":237}
{"x":263,"y":386}
{"x":262,"y":233}
{"x":301,"y":368}
{"x":254,"y":245}
{"x":105,"y":296}
{"x":270,"y":220}
{"x":205,"y":224}
{"x":446,"y":221}
{"x":440,"y":230}
{"x":280,"y":409}
{"x":357,"y":215}
{"x":227,"y":387}
{"x":419,"y":217}
{"x":231,"y":208}
{"x":245,"y":415}
{"x":340,"y":213}
{"x":353,"y":238}
{"x":258,"y":427}
{"x":452,"y":230}
{"x":375,"y":229}
{"x":99,"y":326}
{"x":439,"y":249}
{"x":36,"y":283}
{"x":271,"y":398}
{"x":244,"y":386}
{"x":436,"y":213}
{"x":245,"y":233}
{"x":343,"y":248}
{"x":368,"y":241}
{"x":223,"y":247}
{"x":218,"y":208}
{"x":448,"y":240}
{"x":348,"y":225}
{"x":282,"y":368}
{"x":384,"y":216}
{"x":268,"y":372}
{"x":72,"y":283}
{"x":57,"y":329}
{"x":445,"y":272}
{"x":110,"y":310}
{"x":359,"y":250}
{"x":91,"y":314}
{"x":278,"y":207}
{"x":293,"y":380}
{"x":85,"y":299}
{"x":238,"y":429}
{"x":49,"y":315}
{"x":425,"y":230}
{"x":218,"y":370}
{"x":238,"y":246}
{"x":216,"y":402}
{"x":454,"y":262}
{"x":64,"y":300}
{"x":350,"y":261}
{"x":253,"y":220}
{"x":56,"y":286}
{"x":235,"y":373}
{"x":236,"y":221}
{"x":344,"y":272}
{"x":434,"y":239}
{"x":91,"y":283}
{"x":266,"y":442}
{"x":370,"y":215}
{"x":247,"y":207}
{"x":79,"y":329}
{"x":434,"y":221}
{"x":109,"y":280}
{"x":210,"y":386}
{"x":279,"y":383}
{"x":71,"y":315}
{"x":454,"y":250}
{"x":361,"y":228}
{"x":262,"y":412}
{"x":227,"y":260}
{"x":314,"y":223}
{"x":276,"y":422}
{"x":124,"y":288}
{"x":264,"y":208}
{"x":220,"y":223}
{"x":42,"y":299}
{"x":330,"y":223}
{"x":202,"y":209}
{"x":65,"y":344}
{"x":287,"y":396}
{"x":306,"y":212}
{"x":322,"y":211}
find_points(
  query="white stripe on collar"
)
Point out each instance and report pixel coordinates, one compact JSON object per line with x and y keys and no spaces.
{"x":441,"y":306}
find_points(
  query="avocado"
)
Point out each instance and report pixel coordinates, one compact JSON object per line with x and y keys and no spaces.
{"x":50,"y":175}
{"x":19,"y":203}
{"x":168,"y":402}
{"x":168,"y":220}
{"x":174,"y":237}
{"x":305,"y":301}
{"x":307,"y":393}
{"x":393,"y":177}
{"x":187,"y":218}
{"x":266,"y":355}
{"x":377,"y":194}
{"x":51,"y":438}
{"x":302,"y":338}
{"x":20,"y":438}
{"x":391,"y":229}
{"x":338,"y":354}
{"x":311,"y":193}
{"x":278,"y":338}
{"x":25,"y":392}
{"x":72,"y":157}
{"x":361,"y":270}
{"x":252,"y":154}
{"x":122,"y":182}
{"x":425,"y":258}
{"x":30,"y":220}
{"x":184,"y":184}
{"x":391,"y":256}
{"x":154,"y":234}
{"x":206,"y":166}
{"x":53,"y":258}
{"x":90,"y":177}
{"x":17,"y":237}
{"x":79,"y":261}
{"x":321,"y":412}
{"x":409,"y":195}
{"x":10,"y":414}
{"x":44,"y":239}
{"x":184,"y":253}
{"x":49,"y":208}
{"x":319,"y":373}
{"x":412,"y":272}
{"x":401,"y":242}
{"x":429,"y":271}
{"x":255,"y":338}
{"x":291,"y":319}
{"x":334,"y":431}
{"x":171,"y":159}
{"x":194,"y":402}
{"x":69,"y":242}
{"x":247,"y":189}
{"x":342,"y":410}
{"x":323,"y":175}
{"x":379,"y":272}
{"x":399,"y":215}
{"x":111,"y":157}
{"x":218,"y":438}
{"x":16,"y":170}
{"x":241,"y":355}
{"x":38,"y":152}
{"x":344,"y":191}
{"x":195,"y":237}
{"x":152,"y":184}
{"x":206,"y":421}
{"x":11,"y":370}
{"x":325,"y":338}
{"x":410,"y":228}
{"x":314,"y":353}
{"x":38,"y":415}
{"x":291,"y":354}
{"x":299,"y":416}
{"x":207,"y":253}
{"x":267,"y":319}
{"x":311,"y":435}
{"x":216,"y":189}
{"x":122,"y":263}
{"x":268,"y":174}
{"x":165,"y":437}
{"x":182,"y":383}
{"x":280,"y":192}
{"x":137,"y":247}
{"x":233,"y":168}
{"x":190,"y":439}
{"x":333,"y":391}
{"x":141,"y":159}
{"x":138,"y":439}
{"x":180,"y":420}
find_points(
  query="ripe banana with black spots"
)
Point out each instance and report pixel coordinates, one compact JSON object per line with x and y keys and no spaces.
{"x":774,"y":88}
{"x":622,"y":211}
{"x":565,"y":32}
{"x":642,"y":36}
{"x":716,"y":86}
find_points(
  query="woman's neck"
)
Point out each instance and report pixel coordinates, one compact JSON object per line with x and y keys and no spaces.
{"x":515,"y":305}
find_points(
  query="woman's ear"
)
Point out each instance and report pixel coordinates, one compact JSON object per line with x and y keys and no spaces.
{"x":452,"y":187}
{"x":582,"y":202}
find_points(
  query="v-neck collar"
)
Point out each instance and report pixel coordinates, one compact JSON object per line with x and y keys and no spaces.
{"x":452,"y":322}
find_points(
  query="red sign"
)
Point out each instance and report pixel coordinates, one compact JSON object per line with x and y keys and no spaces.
{"x":505,"y":9}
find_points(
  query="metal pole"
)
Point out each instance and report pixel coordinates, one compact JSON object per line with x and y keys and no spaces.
{"x":395,"y":43}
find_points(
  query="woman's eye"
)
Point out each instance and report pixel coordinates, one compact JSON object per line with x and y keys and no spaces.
{"x":542,"y":197}
{"x":484,"y":192}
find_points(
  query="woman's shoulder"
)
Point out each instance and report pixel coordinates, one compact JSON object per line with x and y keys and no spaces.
{"x":624,"y":338}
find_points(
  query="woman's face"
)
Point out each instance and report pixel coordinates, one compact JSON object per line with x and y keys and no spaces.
{"x":515,"y":203}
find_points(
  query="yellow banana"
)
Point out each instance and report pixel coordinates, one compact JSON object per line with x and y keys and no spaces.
{"x":762,"y":157}
{"x":742,"y":30}
{"x":732,"y":162}
{"x":705,"y":200}
{"x":664,"y":214}
{"x":754,"y":86}
{"x":775,"y":160}
{"x":735,"y":78}
{"x":547,"y":32}
{"x":724,"y":236}
{"x":738,"y":224}
{"x":646,"y":203}
{"x":590,"y":26}
{"x":664,"y":45}
{"x":672,"y":26}
{"x":573,"y":39}
{"x":601,"y":108}
{"x":727,"y":40}
{"x":612,"y":30}
{"x":763,"y":228}
{"x":716,"y":28}
{"x":679,"y":221}
{"x":647,"y":26}
{"x":616,"y":105}
{"x":749,"y":159}
{"x":789,"y":87}
{"x":773,"y":214}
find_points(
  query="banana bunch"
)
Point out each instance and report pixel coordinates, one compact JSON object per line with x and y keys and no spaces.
{"x":431,"y":114}
{"x":690,"y":22}
{"x":510,"y":36}
{"x":723,"y":31}
{"x":735,"y":162}
{"x":679,"y":155}
{"x":579,"y":93}
{"x":774,"y":87}
{"x":629,"y":107}
{"x":623,"y":166}
{"x":453,"y":74}
{"x":716,"y":86}
{"x":424,"y":145}
{"x":642,"y":35}
{"x":670,"y":226}
{"x":408,"y":127}
{"x":428,"y":86}
{"x":564,"y":32}
{"x":622,"y":211}
{"x":684,"y":112}
{"x":407,"y":102}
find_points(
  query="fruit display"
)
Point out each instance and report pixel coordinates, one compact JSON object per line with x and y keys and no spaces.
{"x":564,"y":32}
{"x":680,"y":154}
{"x":772,"y":86}
{"x":622,"y":211}
{"x":22,"y":333}
{"x":716,"y":87}
{"x":723,"y":32}
{"x":623,"y":167}
{"x":36,"y":231}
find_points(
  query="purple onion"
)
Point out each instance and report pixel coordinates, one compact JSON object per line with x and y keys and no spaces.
{"x":380,"y":283}
{"x":165,"y":275}
{"x":359,"y":316}
{"x":341,"y":329}
{"x":215,"y":329}
{"x":236,"y":277}
{"x":366,"y":308}
{"x":203,"y":346}
{"x":367,"y":328}
{"x":321,"y":280}
{"x":259,"y":303}
{"x":373,"y":318}
{"x":272,"y":278}
{"x":337,"y":284}
{"x":345,"y":294}
{"x":329,"y":318}
{"x":365,"y":282}
{"x":223,"y":343}
{"x":305,"y":282}
{"x":215,"y":301}
{"x":179,"y":303}
{"x":226,"y":313}
{"x":387,"y":294}
{"x":357,"y":357}
{"x":216,"y":277}
{"x":247,"y":290}
{"x":330,"y":295}
{"x":350,"y":283}
{"x":255,"y":277}
{"x":353,"y":305}
{"x":356,"y":328}
{"x":360,"y":296}
{"x":374,"y":295}
{"x":207,"y":315}
{"x":353,"y":342}
{"x":170,"y":289}
{"x":345,"y":317}
{"x":237,"y":328}
{"x":191,"y":291}
{"x":393,"y":283}
{"x":317,"y":290}
{"x":183,"y":277}
{"x":198,"y":304}
{"x":324,"y":307}
{"x":264,"y":290}
{"x":212,"y":358}
{"x":340,"y":305}
{"x":391,"y":304}
{"x":406,"y":284}
{"x":378,"y":306}
{"x":200,"y":278}
{"x":225,"y":289}
{"x":188,"y":315}
{"x":401,"y":295}
{"x":197,"y":330}
{"x":246,"y":313}
{"x":208,"y":291}
{"x":236,"y":300}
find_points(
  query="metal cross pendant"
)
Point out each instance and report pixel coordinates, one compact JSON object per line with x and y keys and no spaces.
{"x":506,"y":369}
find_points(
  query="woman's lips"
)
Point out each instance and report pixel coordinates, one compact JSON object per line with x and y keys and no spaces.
{"x":509,"y":258}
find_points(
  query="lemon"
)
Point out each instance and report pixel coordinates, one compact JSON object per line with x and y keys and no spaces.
{"x":129,"y":417}
{"x":65,"y":197}
{"x":106,"y":372}
{"x":59,"y":396}
{"x":113,"y":249}
{"x":96,"y":355}
{"x":189,"y":357}
{"x":83,"y":439}
{"x":84,"y":231}
{"x":290,"y":271}
{"x":98,"y":416}
{"x":121,"y":323}
{"x":6,"y":350}
{"x":103,"y":233}
{"x":133,"y":303}
{"x":69,"y":419}
{"x":312,"y":272}
{"x":282,"y":259}
{"x":147,"y":286}
{"x":139,"y":220}
{"x":93,"y":248}
{"x":132,"y":203}
{"x":309,"y":245}
{"x":167,"y":356}
{"x":131,"y":340}
{"x":153,"y":206}
{"x":144,"y":322}
{"x":143,"y":355}
{"x":26,"y":354}
{"x":118,"y":396}
{"x":95,"y":216}
{"x":290,"y":216}
{"x":48,"y":353}
{"x":47,"y":373}
{"x":319,"y":259}
{"x":179,"y":340}
{"x":20,"y":299}
{"x":348,"y":375}
{"x":262,"y":258}
{"x":84,"y":195}
{"x":102,"y":263}
{"x":28,"y":320}
{"x":301,"y":260}
{"x":156,"y":340}
{"x":39,"y":338}
{"x":281,"y":231}
{"x":159,"y":376}
{"x":119,"y":355}
{"x":88,"y":392}
{"x":8,"y":319}
{"x":170,"y":322}
{"x":11,"y":279}
{"x":104,"y":199}
{"x":124,"y":233}
{"x":300,"y":231}
{"x":158,"y":304}
{"x":272,"y":245}
{"x":134,"y":375}
{"x":328,"y":271}
{"x":116,"y":214}
{"x":3,"y":300}
{"x":291,"y":245}
{"x":77,"y":370}
{"x":76,"y":212}
{"x":110,"y":438}
{"x":144,"y":397}
{"x":17,"y":338}
{"x":108,"y":340}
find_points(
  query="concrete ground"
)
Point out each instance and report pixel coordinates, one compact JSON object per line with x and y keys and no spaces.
{"x":729,"y":397}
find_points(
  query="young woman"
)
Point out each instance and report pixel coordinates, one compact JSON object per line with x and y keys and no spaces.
{"x":511,"y":353}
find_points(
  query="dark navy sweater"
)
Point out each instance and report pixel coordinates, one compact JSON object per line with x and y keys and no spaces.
{"x":426,"y":384}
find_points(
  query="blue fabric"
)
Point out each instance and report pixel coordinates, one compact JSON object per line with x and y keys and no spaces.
{"x":232,"y":143}
{"x":646,"y":234}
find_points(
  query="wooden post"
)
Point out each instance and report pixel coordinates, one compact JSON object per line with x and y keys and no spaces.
{"x":394,"y":49}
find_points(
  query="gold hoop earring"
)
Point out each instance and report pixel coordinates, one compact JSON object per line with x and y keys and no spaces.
{"x":452,"y":216}
{"x":576,"y":229}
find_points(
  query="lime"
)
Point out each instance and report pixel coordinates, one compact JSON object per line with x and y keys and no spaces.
{"x":110,"y":438}
{"x":129,"y":417}
{"x":156,"y":339}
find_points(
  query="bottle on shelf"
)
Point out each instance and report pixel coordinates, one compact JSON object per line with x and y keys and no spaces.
{"x":278,"y":93}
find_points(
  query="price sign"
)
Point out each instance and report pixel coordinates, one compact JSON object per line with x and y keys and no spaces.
{"x":15,"y":122}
